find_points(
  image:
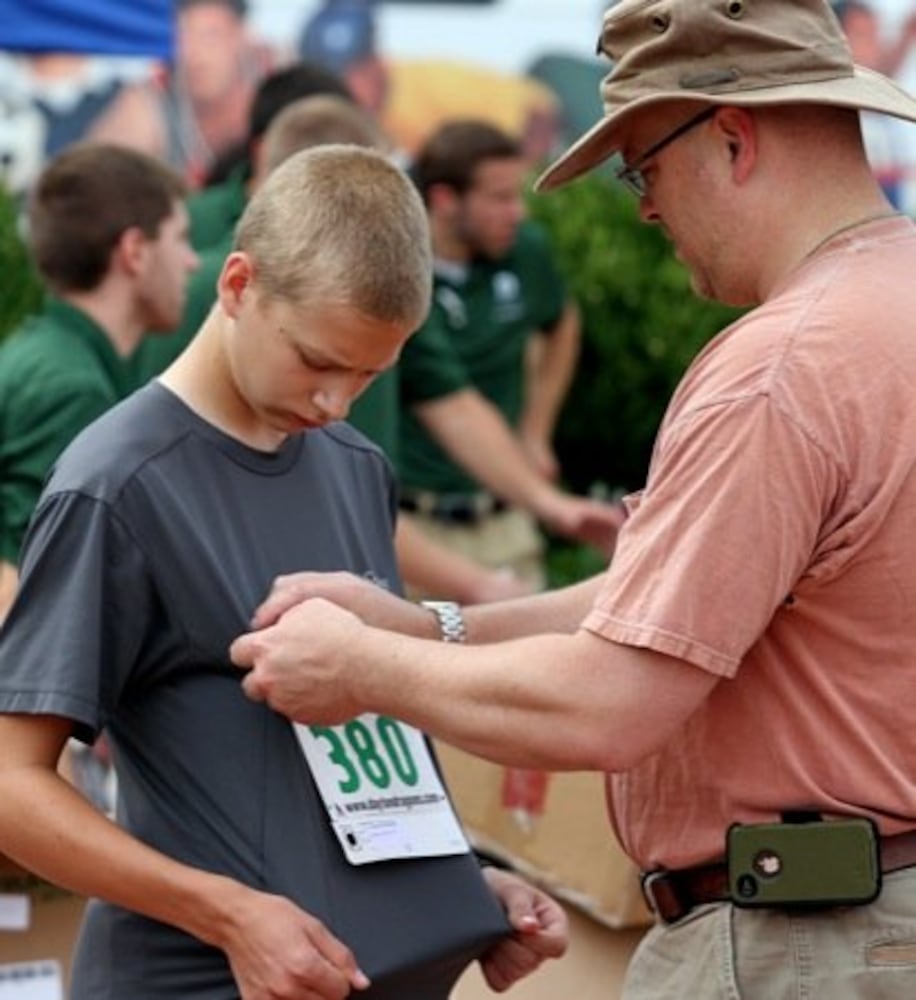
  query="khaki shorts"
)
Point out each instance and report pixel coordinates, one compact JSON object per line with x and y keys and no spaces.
{"x":723,"y":953}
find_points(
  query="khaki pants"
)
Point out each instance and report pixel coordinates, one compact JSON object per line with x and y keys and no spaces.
{"x":509,"y":538}
{"x":723,"y":953}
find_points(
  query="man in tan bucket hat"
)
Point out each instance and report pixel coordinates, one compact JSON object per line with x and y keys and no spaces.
{"x":744,"y":671}
{"x":739,"y":53}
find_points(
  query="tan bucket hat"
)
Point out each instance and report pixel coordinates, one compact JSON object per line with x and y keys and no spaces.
{"x":744,"y":53}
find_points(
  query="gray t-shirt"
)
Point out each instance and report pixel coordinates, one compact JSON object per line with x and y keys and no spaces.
{"x":154,"y":541}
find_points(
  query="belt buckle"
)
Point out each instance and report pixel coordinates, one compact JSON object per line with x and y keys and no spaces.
{"x":423,"y":502}
{"x":660,"y":892}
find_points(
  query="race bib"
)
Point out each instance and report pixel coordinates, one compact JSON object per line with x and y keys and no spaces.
{"x":381,"y":790}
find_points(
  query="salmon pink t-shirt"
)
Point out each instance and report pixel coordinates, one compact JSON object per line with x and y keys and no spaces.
{"x":775,"y":546}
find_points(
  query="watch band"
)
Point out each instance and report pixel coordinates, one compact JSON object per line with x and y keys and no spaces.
{"x":451,"y":620}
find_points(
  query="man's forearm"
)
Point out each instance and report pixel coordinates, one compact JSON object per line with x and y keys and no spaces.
{"x":555,"y":702}
{"x":477,"y":437}
{"x":551,"y":364}
{"x":552,"y":611}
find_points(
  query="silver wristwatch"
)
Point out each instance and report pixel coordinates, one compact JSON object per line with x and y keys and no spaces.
{"x":451,"y":620}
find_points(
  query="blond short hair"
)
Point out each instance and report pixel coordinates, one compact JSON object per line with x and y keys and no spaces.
{"x":318,"y":121}
{"x":341,"y":225}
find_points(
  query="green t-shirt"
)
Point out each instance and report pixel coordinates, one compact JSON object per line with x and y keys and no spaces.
{"x":158,"y":350}
{"x":475,"y":336}
{"x":214,"y":211}
{"x":58,"y":372}
{"x":376,"y":413}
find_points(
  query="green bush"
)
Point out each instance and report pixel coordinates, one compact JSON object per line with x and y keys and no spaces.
{"x":642,"y":325}
{"x":20,"y":291}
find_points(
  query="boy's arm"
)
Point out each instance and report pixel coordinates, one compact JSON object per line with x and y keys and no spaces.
{"x":273,"y":947}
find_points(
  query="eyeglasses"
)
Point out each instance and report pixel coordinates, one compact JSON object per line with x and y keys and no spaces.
{"x":632,"y":175}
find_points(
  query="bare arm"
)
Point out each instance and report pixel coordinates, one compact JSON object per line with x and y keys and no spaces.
{"x":270,"y":943}
{"x":433,"y":569}
{"x":553,"y":611}
{"x":550,"y":363}
{"x":475,"y":434}
{"x":555,"y":702}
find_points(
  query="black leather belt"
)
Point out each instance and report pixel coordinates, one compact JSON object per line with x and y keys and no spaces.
{"x":671,"y":895}
{"x":457,"y":508}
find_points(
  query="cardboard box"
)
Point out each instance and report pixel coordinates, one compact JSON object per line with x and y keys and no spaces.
{"x":39,"y":922}
{"x":553,"y":828}
{"x":592,"y":969}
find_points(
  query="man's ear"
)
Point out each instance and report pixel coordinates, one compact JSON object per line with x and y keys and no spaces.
{"x":131,"y":251}
{"x":441,"y":198}
{"x":235,"y":282}
{"x":738,"y":129}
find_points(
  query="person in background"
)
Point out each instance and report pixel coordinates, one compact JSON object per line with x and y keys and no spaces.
{"x":341,"y":36}
{"x":485,"y":378}
{"x":157,"y":531}
{"x":109,"y":234}
{"x":742,"y":673}
{"x":216,"y":209}
{"x":218,"y":66}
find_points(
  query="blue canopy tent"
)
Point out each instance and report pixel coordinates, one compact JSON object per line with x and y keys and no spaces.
{"x":96,"y":27}
{"x":119,"y":38}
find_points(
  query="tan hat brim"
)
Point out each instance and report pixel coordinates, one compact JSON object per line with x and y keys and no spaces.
{"x":866,"y":90}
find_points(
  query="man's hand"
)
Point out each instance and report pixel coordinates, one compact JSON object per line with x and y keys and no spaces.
{"x":541,"y":456}
{"x":279,"y":952}
{"x":540,"y":930}
{"x":373,"y":604}
{"x":585,"y":520}
{"x":298,"y":665}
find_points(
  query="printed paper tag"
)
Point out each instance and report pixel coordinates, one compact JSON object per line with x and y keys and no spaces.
{"x":31,"y":981}
{"x":15,"y":911}
{"x":381,"y":790}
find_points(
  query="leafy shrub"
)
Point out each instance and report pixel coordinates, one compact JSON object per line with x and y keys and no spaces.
{"x":20,"y":289}
{"x":642,"y":325}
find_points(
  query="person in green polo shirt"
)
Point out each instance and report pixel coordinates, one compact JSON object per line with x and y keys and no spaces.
{"x":108,"y":231}
{"x":218,"y":207}
{"x":482,"y":382}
